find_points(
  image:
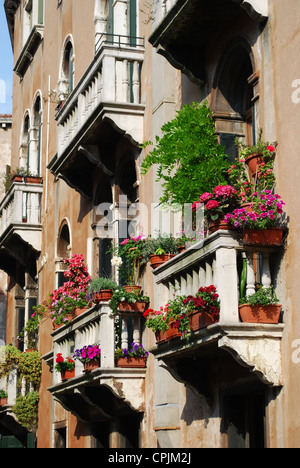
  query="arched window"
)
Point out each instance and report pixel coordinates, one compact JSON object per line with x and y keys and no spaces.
{"x":66,"y":81}
{"x":63,"y":249}
{"x":25,"y":144}
{"x":35,"y":160}
{"x":234,"y":98}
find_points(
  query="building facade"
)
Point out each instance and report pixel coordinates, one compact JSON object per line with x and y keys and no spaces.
{"x":93,"y":81}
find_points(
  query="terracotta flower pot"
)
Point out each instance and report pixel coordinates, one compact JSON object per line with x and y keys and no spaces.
{"x":220,"y":224}
{"x":253,"y":162}
{"x":104,"y":295}
{"x":263,"y":237}
{"x":133,"y":362}
{"x":67,"y":374}
{"x":88,"y":366}
{"x":163,"y":336}
{"x":33,"y":180}
{"x":129,"y":307}
{"x":132,"y":288}
{"x":3,"y":401}
{"x":157,"y":260}
{"x":198,"y":320}
{"x":79,"y":311}
{"x":69,"y":317}
{"x":259,"y":313}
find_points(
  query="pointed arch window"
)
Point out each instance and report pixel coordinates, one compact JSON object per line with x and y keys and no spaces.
{"x":35,"y":163}
{"x":66,"y":82}
{"x":25,"y":144}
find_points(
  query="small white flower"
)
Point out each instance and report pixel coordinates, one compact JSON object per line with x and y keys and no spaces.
{"x":116,"y":261}
{"x":122,"y":299}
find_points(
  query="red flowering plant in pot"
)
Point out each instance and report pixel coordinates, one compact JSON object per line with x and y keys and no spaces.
{"x":170,"y":321}
{"x":89,"y":355}
{"x":65,"y":366}
{"x":259,"y":223}
{"x":203,"y":309}
{"x":254,"y":155}
{"x":217,"y":204}
{"x":63,"y":302}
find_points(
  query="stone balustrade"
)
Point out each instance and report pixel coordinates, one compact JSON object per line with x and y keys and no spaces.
{"x":96,"y":326}
{"x":20,"y":210}
{"x":219,"y":260}
{"x":110,"y":87}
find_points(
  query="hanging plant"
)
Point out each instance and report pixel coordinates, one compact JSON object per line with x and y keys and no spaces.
{"x":189,"y":159}
{"x":26,"y":410}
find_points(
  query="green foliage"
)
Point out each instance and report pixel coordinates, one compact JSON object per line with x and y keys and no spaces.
{"x":29,"y":364}
{"x":265,"y":148}
{"x":30,"y":331}
{"x":3,"y":394}
{"x":26,"y":410}
{"x":120,"y":295}
{"x":98,"y":284}
{"x":189,"y":158}
{"x":262,"y":297}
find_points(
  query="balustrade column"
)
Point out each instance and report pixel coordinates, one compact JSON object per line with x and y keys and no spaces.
{"x":136,"y":83}
{"x":250,"y":285}
{"x":17,"y":207}
{"x":136,"y":330}
{"x":107,"y":337}
{"x":109,"y":78}
{"x":227,"y":278}
{"x":124,"y":332}
{"x":265,"y":273}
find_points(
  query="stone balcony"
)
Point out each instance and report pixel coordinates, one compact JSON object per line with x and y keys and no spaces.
{"x":95,"y":394}
{"x":104,"y":106}
{"x":185,"y":29}
{"x":20,"y":223}
{"x":218,"y":261}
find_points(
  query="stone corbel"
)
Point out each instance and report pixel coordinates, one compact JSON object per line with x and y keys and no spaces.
{"x":258,"y":10}
{"x":130,"y":388}
{"x":261,"y":355}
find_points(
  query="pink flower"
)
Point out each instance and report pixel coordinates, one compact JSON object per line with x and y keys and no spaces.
{"x":205,"y":197}
{"x":211,"y":204}
{"x":271,"y":148}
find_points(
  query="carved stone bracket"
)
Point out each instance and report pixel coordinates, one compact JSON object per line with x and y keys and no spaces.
{"x":262,"y":355}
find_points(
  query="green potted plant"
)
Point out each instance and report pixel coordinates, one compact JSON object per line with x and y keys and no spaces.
{"x":124,"y":301}
{"x":260,"y":307}
{"x":101,"y":289}
{"x":188,"y":156}
{"x":254,"y":155}
{"x":3,"y":397}
{"x":161,"y":249}
{"x":66,"y":367}
{"x":135,"y":356}
{"x":133,"y":252}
